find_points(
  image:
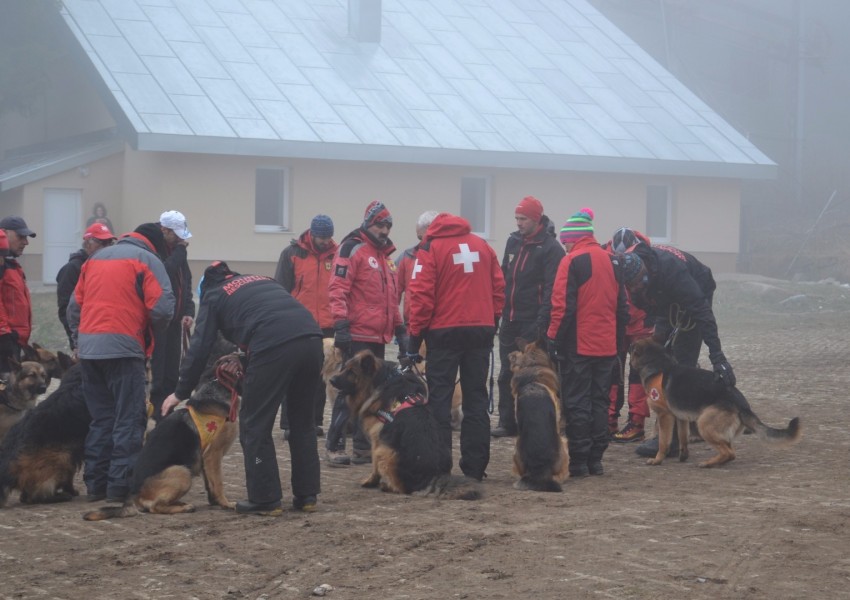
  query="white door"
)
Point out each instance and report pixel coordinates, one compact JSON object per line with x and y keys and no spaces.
{"x":62,"y":229}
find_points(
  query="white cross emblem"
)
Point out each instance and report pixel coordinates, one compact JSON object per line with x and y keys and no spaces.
{"x":465,"y":257}
{"x":416,"y":268}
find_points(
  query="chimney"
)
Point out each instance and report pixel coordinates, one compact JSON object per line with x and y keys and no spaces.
{"x":364,"y":20}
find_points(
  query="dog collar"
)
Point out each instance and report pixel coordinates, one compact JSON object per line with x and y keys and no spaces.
{"x":207,"y":425}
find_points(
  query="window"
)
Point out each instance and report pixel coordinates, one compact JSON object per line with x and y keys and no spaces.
{"x":658,"y":212}
{"x":271,"y":200}
{"x":475,"y":203}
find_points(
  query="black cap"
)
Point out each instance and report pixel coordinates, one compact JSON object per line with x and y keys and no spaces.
{"x":18,"y":225}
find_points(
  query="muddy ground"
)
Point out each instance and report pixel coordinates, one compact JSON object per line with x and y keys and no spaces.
{"x":773,"y":524}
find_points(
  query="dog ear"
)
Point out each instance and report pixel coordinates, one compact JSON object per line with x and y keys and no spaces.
{"x":521,"y":344}
{"x":30,"y":353}
{"x":36,"y":346}
{"x":65,"y":361}
{"x":369,"y":363}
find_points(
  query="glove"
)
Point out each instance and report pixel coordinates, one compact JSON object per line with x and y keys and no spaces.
{"x":552,"y":350}
{"x":9,"y":345}
{"x":414,"y":343}
{"x":401,"y":337}
{"x":723,"y":370}
{"x":342,"y":336}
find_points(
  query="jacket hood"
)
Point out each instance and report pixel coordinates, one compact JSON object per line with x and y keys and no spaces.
{"x":305,"y":240}
{"x":78,"y":255}
{"x":546,"y":228}
{"x":367,"y":238}
{"x":447,"y":225}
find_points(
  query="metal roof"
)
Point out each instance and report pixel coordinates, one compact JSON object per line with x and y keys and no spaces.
{"x":547,"y":84}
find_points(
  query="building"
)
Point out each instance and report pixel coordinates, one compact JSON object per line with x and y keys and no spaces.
{"x":251,"y":116}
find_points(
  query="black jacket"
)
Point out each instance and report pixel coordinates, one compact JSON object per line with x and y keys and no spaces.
{"x":177,"y":267}
{"x":529,"y":267}
{"x":251,"y":311}
{"x":678,"y":279}
{"x":66,"y":281}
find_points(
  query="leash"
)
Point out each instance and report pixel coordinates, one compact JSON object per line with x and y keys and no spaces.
{"x":229,"y":381}
{"x":679,"y":322}
{"x":185,"y":346}
{"x":490,"y":406}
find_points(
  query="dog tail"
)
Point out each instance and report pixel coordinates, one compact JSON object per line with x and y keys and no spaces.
{"x":113,"y":512}
{"x":538,"y":485}
{"x":453,"y":487}
{"x":786,"y":437}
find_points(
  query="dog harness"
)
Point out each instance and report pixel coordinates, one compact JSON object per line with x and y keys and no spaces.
{"x":654,"y":387}
{"x":385,"y":416}
{"x":207,"y":425}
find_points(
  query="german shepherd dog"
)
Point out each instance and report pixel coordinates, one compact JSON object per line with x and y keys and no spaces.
{"x":679,"y":393}
{"x":408,"y":452}
{"x":42,"y":453}
{"x":19,"y":391}
{"x":191,"y":440}
{"x":540,"y":459}
{"x":55,"y":363}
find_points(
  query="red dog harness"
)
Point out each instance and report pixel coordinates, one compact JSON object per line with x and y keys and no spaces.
{"x":399,"y":405}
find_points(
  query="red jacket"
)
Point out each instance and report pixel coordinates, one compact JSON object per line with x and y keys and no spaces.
{"x":123,"y":293}
{"x":15,"y":304}
{"x":404,"y":271}
{"x":458,"y":281}
{"x":589,"y":310}
{"x":363,"y":289}
{"x":305,"y":273}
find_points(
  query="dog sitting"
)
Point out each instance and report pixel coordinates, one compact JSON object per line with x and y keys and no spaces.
{"x":55,"y":363}
{"x":191,"y":440}
{"x":408,"y":453}
{"x":42,"y":453}
{"x":540,"y":460}
{"x":680,"y":394}
{"x":19,"y":392}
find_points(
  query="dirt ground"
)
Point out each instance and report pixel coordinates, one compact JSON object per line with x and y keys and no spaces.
{"x":773,"y":524}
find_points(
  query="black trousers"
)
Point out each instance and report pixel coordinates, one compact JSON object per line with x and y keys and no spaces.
{"x":115,"y":397}
{"x":341,"y":415}
{"x":289,"y":369}
{"x":165,"y":364}
{"x":319,"y":398}
{"x":473,"y":364}
{"x":508,"y":334}
{"x":586,"y":381}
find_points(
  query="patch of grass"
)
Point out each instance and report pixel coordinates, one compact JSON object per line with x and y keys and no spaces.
{"x":47,"y":331}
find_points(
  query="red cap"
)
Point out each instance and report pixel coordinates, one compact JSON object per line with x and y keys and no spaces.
{"x":530,"y":207}
{"x":98,"y":231}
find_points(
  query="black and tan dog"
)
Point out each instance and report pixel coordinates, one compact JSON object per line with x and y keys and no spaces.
{"x":55,"y":363}
{"x":43,"y":452}
{"x":19,"y":391}
{"x":408,"y":452}
{"x":681,"y":394}
{"x":188,"y":442}
{"x":540,"y":459}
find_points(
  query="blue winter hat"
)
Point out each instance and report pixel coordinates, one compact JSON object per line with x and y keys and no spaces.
{"x":322,"y":226}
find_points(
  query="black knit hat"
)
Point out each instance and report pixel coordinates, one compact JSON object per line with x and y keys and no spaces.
{"x":153,"y":233}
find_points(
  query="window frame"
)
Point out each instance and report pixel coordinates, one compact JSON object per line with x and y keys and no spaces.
{"x":285,"y":200}
{"x":668,"y":216}
{"x":488,"y":203}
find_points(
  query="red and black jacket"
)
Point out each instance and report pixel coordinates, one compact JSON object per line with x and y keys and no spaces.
{"x":458,"y":285}
{"x":305,"y":273}
{"x":589,"y":309}
{"x":364,"y":289}
{"x":529,"y":266}
{"x":15,"y":303}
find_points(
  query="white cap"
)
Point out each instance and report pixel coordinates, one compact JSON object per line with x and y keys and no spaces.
{"x":175,"y":221}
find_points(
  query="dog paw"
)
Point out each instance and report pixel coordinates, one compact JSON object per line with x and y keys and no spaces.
{"x":654,"y":461}
{"x":683,"y":456}
{"x":227,"y":505}
{"x":370,"y":482}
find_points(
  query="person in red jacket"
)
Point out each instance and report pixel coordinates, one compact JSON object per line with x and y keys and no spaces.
{"x":304,"y":270}
{"x":404,"y":263}
{"x":123,"y":297}
{"x":15,"y":303}
{"x":589,"y":315}
{"x":363,"y":294}
{"x":457,"y":293}
{"x":638,"y":327}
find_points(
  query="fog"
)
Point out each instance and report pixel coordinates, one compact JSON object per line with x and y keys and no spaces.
{"x":777,"y":70}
